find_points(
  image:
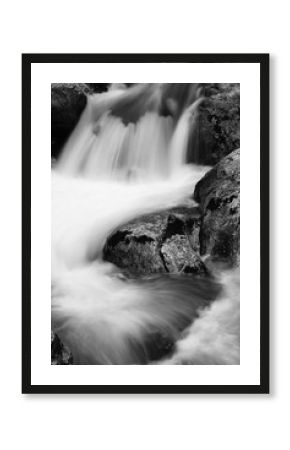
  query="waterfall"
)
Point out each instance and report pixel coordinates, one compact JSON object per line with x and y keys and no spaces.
{"x":126,"y":157}
{"x":151,"y":145}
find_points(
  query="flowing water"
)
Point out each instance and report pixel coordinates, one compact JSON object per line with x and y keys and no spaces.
{"x":126,"y":157}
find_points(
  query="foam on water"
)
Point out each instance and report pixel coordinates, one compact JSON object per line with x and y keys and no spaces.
{"x":125,"y":158}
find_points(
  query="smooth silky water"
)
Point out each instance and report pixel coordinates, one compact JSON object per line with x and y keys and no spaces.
{"x":126,"y":157}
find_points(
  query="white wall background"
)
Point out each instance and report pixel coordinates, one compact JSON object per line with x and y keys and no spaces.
{"x":129,"y":422}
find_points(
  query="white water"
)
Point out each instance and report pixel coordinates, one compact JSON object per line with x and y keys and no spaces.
{"x":111,"y":171}
{"x":153,"y":146}
{"x":214,"y":338}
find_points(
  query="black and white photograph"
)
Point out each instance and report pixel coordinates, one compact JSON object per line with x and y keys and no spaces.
{"x":149,"y":208}
{"x":145,"y":223}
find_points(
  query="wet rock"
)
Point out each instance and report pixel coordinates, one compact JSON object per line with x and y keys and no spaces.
{"x":60,"y":354}
{"x":218,"y":131}
{"x":178,"y":256}
{"x":158,"y":243}
{"x":218,"y":193}
{"x":98,"y":88}
{"x":67,"y":103}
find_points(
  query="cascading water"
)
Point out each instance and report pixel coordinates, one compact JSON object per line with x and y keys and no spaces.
{"x":150,"y":146}
{"x":126,"y":157}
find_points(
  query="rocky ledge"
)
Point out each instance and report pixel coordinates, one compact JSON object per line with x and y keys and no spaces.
{"x":218,"y":194}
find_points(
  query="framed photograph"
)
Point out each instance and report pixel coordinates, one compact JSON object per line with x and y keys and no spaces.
{"x":145,"y":226}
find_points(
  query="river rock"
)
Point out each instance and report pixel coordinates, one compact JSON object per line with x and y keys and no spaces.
{"x":67,"y":103}
{"x":218,"y":131}
{"x":218,"y":194}
{"x":167,"y":241}
{"x":60,"y":354}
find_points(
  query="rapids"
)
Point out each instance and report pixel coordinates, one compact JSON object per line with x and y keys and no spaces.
{"x":126,"y":157}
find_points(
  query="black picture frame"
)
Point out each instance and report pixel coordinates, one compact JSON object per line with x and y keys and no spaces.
{"x":263,"y":61}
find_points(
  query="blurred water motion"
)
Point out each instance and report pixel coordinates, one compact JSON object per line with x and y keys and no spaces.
{"x":127,"y":157}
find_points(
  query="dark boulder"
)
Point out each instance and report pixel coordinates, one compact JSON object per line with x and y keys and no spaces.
{"x":67,"y":103}
{"x":218,"y":130}
{"x":60,"y":354}
{"x":68,"y":100}
{"x":218,"y":193}
{"x":158,"y":243}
